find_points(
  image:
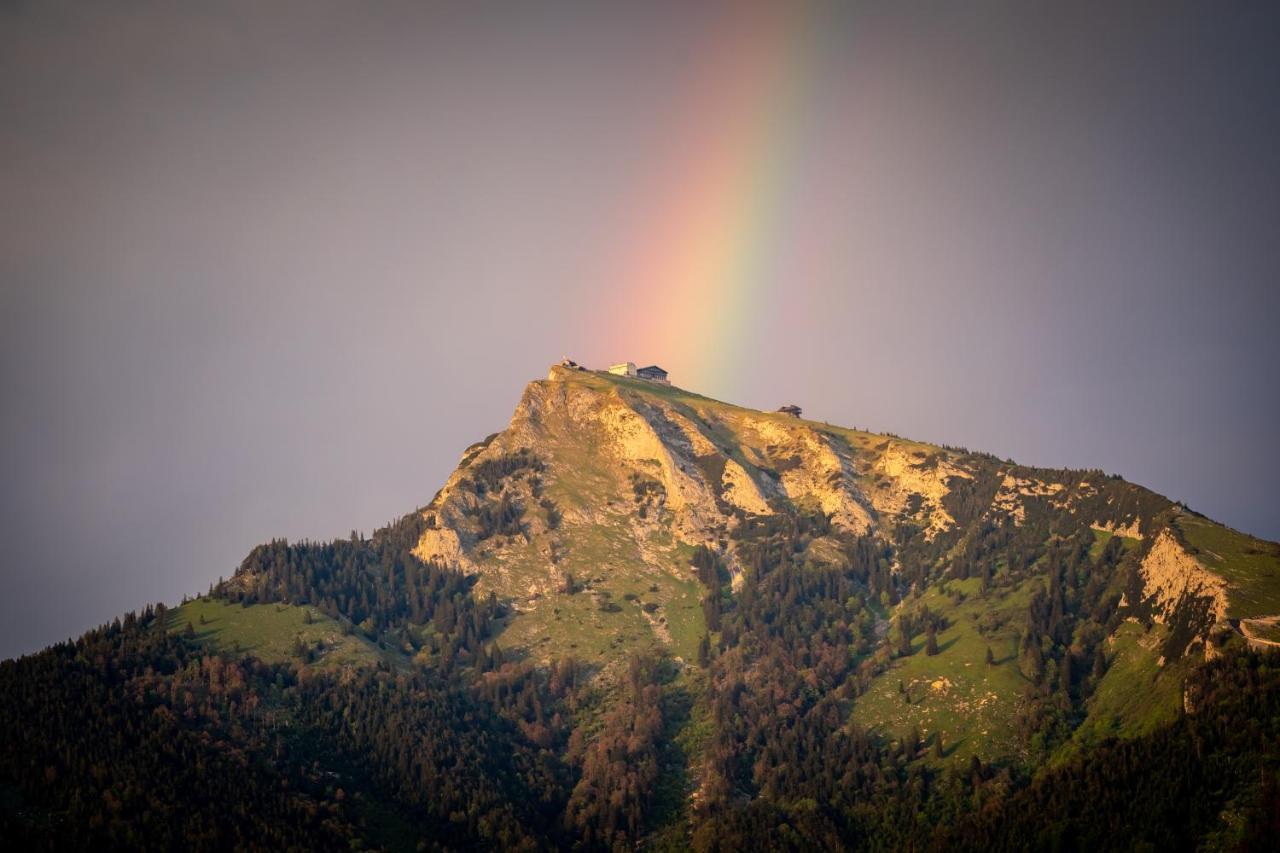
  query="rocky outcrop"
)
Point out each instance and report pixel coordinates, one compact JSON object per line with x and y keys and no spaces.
{"x":1013,"y":490}
{"x":1132,"y":530}
{"x":810,"y":467}
{"x":1170,"y":575}
{"x":741,"y":490}
{"x":904,"y":474}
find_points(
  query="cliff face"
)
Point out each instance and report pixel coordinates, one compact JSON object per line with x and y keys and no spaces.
{"x":1170,"y":575}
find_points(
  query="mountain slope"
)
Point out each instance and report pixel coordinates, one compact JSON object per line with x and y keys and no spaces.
{"x":638,"y":615}
{"x":583,"y":515}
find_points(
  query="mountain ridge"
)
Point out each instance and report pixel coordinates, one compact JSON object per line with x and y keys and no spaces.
{"x":705,"y":465}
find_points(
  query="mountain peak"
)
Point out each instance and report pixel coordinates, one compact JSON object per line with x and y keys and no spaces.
{"x":586,"y":511}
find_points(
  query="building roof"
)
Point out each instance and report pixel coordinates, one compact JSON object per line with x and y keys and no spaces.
{"x":653,"y":368}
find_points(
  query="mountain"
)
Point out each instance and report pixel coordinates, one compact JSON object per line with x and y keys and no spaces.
{"x":640,"y":615}
{"x":605,"y":484}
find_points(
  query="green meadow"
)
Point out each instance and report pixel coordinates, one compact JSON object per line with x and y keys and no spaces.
{"x":956,"y":693}
{"x":272,"y":632}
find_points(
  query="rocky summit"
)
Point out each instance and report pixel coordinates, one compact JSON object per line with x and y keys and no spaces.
{"x":605,"y":485}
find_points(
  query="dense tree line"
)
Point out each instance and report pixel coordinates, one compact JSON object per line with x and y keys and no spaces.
{"x":619,"y":766}
{"x":781,"y":753}
{"x":1209,"y":780}
{"x":132,"y":738}
{"x":786,"y":769}
{"x":376,"y":585}
{"x":452,"y":760}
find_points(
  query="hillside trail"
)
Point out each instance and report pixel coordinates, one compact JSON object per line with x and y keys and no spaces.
{"x":1253,"y":639}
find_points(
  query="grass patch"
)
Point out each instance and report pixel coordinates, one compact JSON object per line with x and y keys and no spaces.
{"x":1136,"y":695}
{"x":559,"y":625}
{"x":1100,"y":540}
{"x":956,"y":692}
{"x":270,"y":632}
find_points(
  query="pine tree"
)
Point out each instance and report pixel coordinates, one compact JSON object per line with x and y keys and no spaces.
{"x":931,"y":641}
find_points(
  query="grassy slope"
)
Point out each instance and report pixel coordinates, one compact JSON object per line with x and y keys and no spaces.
{"x":956,"y":692}
{"x":577,"y":625}
{"x":1136,"y":695}
{"x":1266,"y":631}
{"x":269,"y":632}
{"x":1250,"y":566}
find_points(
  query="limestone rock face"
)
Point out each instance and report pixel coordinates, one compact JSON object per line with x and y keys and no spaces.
{"x":1170,"y":574}
{"x":910,"y":476}
{"x":810,"y":467}
{"x":741,"y":490}
{"x":1013,"y":490}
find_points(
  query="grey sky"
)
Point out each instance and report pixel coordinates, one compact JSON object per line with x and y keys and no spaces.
{"x":266,"y":271}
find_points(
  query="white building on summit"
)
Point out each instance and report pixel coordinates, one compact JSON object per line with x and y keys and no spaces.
{"x":628,"y":368}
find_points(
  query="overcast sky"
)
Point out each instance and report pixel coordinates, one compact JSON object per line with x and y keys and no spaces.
{"x":267,"y":268}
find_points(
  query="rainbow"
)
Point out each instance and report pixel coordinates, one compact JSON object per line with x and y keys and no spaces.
{"x":703,"y":248}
